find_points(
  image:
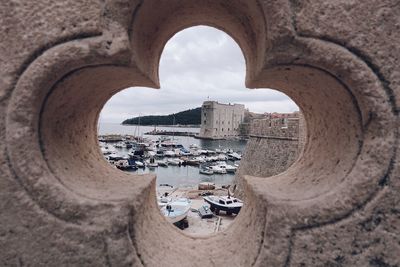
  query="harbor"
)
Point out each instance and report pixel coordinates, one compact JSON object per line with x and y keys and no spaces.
{"x":188,"y":171}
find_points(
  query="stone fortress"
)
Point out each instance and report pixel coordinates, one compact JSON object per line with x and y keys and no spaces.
{"x":281,"y":135}
{"x":337,"y":205}
{"x":220,"y":121}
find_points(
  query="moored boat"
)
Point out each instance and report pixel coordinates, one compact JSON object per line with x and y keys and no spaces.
{"x":206,"y":170}
{"x":175,"y":162}
{"x":229,"y":168}
{"x":151,"y":163}
{"x":234,"y":156}
{"x":217,"y":169}
{"x":162,"y":163}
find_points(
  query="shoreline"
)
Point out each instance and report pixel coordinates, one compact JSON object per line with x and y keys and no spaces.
{"x":197,"y":226}
{"x":165,"y":126}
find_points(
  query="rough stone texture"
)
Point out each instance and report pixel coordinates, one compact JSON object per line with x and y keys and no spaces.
{"x":282,"y":141}
{"x":277,"y":156}
{"x":61,"y":203}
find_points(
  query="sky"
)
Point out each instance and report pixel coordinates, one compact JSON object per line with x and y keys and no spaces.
{"x":198,"y":64}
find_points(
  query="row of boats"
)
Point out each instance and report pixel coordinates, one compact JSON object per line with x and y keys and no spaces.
{"x":166,"y":153}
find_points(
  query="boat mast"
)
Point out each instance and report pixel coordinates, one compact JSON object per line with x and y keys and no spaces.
{"x":139,"y":135}
{"x":173,"y":127}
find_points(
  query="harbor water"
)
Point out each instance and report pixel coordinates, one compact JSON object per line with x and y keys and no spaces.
{"x":184,"y":176}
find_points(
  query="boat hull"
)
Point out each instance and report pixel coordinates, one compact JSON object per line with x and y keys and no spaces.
{"x":217,"y":207}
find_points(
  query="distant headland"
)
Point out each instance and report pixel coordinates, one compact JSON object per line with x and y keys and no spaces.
{"x":187,"y":117}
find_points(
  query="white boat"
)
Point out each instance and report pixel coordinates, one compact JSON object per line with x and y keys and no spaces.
{"x":229,"y":204}
{"x":175,"y":162}
{"x":162,"y":163}
{"x":217,"y":169}
{"x":176,"y":210}
{"x":229,"y":168}
{"x":202,"y":151}
{"x":199,"y":159}
{"x":169,"y":153}
{"x":206,"y":171}
{"x":151,"y":163}
{"x":163,"y":201}
{"x":194,"y":152}
{"x":235,"y":156}
{"x":212,"y":158}
{"x":139,"y":164}
{"x":222,"y":157}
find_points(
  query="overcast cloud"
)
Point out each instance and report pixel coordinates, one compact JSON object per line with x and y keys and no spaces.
{"x":197,"y":64}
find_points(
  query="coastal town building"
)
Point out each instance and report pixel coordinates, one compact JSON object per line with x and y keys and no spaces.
{"x":219,"y":121}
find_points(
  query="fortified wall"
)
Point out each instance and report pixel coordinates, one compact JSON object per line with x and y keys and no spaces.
{"x":61,"y":204}
{"x":276,"y":140}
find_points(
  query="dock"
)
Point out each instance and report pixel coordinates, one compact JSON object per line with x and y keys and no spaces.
{"x":171,"y":133}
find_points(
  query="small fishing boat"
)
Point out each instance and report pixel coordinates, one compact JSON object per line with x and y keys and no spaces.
{"x":162,"y":163}
{"x":139,"y":164}
{"x":222,"y":157}
{"x":234,"y":156}
{"x":192,"y":162}
{"x":184,"y":152}
{"x":174,"y":162}
{"x":229,"y":204}
{"x":217,"y":169}
{"x":229,"y":168}
{"x":176,"y":210}
{"x":151,"y":163}
{"x":206,"y":171}
{"x":124,"y":164}
{"x":169,"y":153}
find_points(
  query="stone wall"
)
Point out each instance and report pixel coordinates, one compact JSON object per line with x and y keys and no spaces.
{"x":277,"y":155}
{"x":288,"y":128}
{"x":61,"y":204}
{"x":276,"y":141}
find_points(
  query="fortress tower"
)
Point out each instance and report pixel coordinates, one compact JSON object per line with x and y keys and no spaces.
{"x":220,"y":121}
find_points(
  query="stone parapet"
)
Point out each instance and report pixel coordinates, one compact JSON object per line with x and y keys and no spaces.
{"x":61,"y":204}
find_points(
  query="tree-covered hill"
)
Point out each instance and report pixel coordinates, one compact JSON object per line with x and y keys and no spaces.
{"x":187,"y":117}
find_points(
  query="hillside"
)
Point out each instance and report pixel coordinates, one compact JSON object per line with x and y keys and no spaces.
{"x":187,"y":117}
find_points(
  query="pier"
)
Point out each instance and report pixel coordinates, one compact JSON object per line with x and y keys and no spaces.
{"x":171,"y":133}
